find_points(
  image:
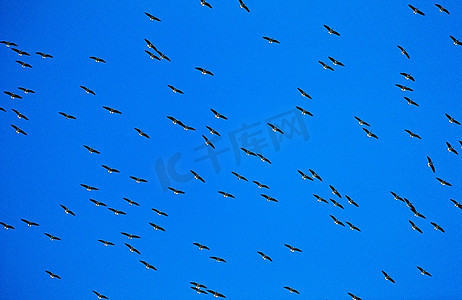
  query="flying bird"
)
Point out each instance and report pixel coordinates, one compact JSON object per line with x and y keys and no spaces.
{"x":148,"y":266}
{"x":331,"y":31}
{"x":12,"y":95}
{"x":414,"y":227}
{"x":130,"y":236}
{"x":67,"y":210}
{"x":407,"y":76}
{"x":141,"y":133}
{"x":204,"y":71}
{"x":292,"y":290}
{"x":6,"y":226}
{"x":353,"y":227}
{"x":271,"y":40}
{"x":416,"y":10}
{"x":112,"y":110}
{"x":455,"y":41}
{"x":106,"y":243}
{"x":320,"y":199}
{"x":226,"y":195}
{"x":131,"y":202}
{"x":29,"y":223}
{"x":335,"y":62}
{"x":26,"y":91}
{"x":334,"y":191}
{"x":132,"y":249}
{"x":337,"y":221}
{"x":87,"y":90}
{"x":216,"y":294}
{"x":52,"y":237}
{"x":292,"y":249}
{"x":138,"y":180}
{"x":198,"y":290}
{"x":275,"y":128}
{"x":18,"y":130}
{"x":175,"y":191}
{"x":304,"y":94}
{"x":370,"y":134}
{"x":260,"y":185}
{"x":156,"y":227}
{"x":387,"y":277}
{"x":304,"y":111}
{"x":269,"y":198}
{"x":100,"y":296}
{"x":198,"y":285}
{"x":208,"y":142}
{"x":412,"y":134}
{"x":8,"y":44}
{"x":44,"y":55}
{"x":451,"y":149}
{"x":304,"y":176}
{"x":67,"y":116}
{"x":218,"y":115}
{"x":452,"y":120}
{"x":20,"y":53}
{"x":361,"y":122}
{"x":23,"y":64}
{"x":443,"y":182}
{"x":212,"y":131}
{"x":442,"y":9}
{"x":263,"y":159}
{"x":404,"y":88}
{"x":97,"y":59}
{"x":160,"y":213}
{"x":217,"y":259}
{"x":149,"y":44}
{"x":205,"y":3}
{"x":91,"y":150}
{"x":161,"y":55}
{"x":197,"y":176}
{"x":430,"y":164}
{"x":110,"y":170}
{"x":336,"y":203}
{"x":354,"y":297}
{"x":456,"y":204}
{"x":423,"y":272}
{"x":264,"y":256}
{"x":416,"y":213}
{"x":411,"y":102}
{"x":52,"y":275}
{"x":151,"y":17}
{"x":97,"y":203}
{"x":242,"y":5}
{"x":325,"y":66}
{"x":437,"y":227}
{"x":201,"y":247}
{"x":315,"y":175}
{"x":238,"y":176}
{"x":152,"y":55}
{"x":396,"y":196}
{"x":403,"y":51}
{"x":248,"y":152}
{"x":175,"y":90}
{"x":117,"y":212}
{"x":19,"y":115}
{"x":351,"y":201}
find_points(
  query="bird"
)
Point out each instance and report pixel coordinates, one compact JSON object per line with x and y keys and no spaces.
{"x":292,"y":249}
{"x":226,"y":195}
{"x":336,"y":203}
{"x":91,"y":150}
{"x":443,"y":182}
{"x":205,"y":3}
{"x":6,"y":226}
{"x":23,"y":64}
{"x":197,"y":176}
{"x":269,"y":198}
{"x":67,"y":116}
{"x":315,"y":175}
{"x":351,"y":201}
{"x":198,"y":290}
{"x":337,"y":221}
{"x":201,"y":247}
{"x":320,"y":199}
{"x":325,"y":66}
{"x":12,"y":95}
{"x":138,"y":180}
{"x":408,"y":76}
{"x":174,"y":120}
{"x":20,"y":53}
{"x":175,"y":191}
{"x":423,"y":272}
{"x":411,"y":102}
{"x":151,"y":17}
{"x":52,"y":275}
{"x":204,"y":71}
{"x":52,"y":238}
{"x":185,"y":127}
{"x":44,"y":55}
{"x":131,"y":202}
{"x":100,"y":296}
{"x":275,"y":128}
{"x":97,"y":203}
{"x":217,"y":259}
{"x":396,"y":196}
{"x":403,"y":51}
{"x":451,"y":149}
{"x":87,"y":90}
{"x":106,"y":243}
{"x":430,"y":164}
{"x":117,"y":212}
{"x":97,"y":59}
{"x":130,"y":236}
{"x":160,"y":213}
{"x":148,"y":266}
{"x":218,"y":115}
{"x":456,"y":204}
{"x":271,"y":40}
{"x":452,"y":120}
{"x":354,"y":297}
{"x":387,"y":277}
{"x":331,"y":31}
{"x":292,"y":290}
{"x":19,"y":115}
{"x":212,"y":131}
{"x":304,"y":94}
{"x":161,"y":55}
{"x":304,"y":111}
{"x":132,"y":249}
{"x":2,"y":109}
{"x":112,"y":110}
{"x":437,"y":227}
{"x":67,"y":210}
{"x":361,"y":122}
{"x":248,"y":152}
{"x":156,"y":227}
{"x":335,"y":62}
{"x":18,"y":130}
{"x":416,"y":10}
{"x":260,"y":185}
{"x":412,"y":134}
{"x":404,"y":88}
{"x":110,"y":170}
{"x":242,"y":5}
{"x":370,"y":134}
{"x":353,"y":227}
{"x":175,"y":90}
{"x":8,"y":44}
{"x":198,"y":285}
{"x":334,"y":191}
{"x":263,"y":159}
{"x":26,"y":91}
{"x":238,"y":176}
{"x":442,"y":9}
{"x":30,"y":223}
{"x":149,"y":44}
{"x":414,"y":227}
{"x":455,"y":41}
{"x":152,"y":55}
{"x":304,"y":176}
{"x":216,"y":294}
{"x":207,"y":142}
{"x":141,"y":133}
{"x":264,"y":256}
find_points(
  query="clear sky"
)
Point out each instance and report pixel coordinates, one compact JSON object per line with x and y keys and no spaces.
{"x":254,"y":83}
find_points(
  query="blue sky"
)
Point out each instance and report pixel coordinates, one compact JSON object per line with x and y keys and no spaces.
{"x":254,"y":82}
